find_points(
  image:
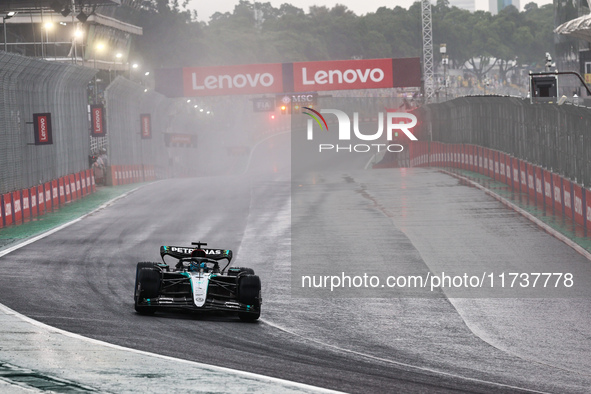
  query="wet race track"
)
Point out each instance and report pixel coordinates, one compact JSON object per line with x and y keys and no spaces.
{"x":81,"y":279}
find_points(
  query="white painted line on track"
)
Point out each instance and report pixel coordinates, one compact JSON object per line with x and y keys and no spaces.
{"x":370,"y":161}
{"x":556,"y":234}
{"x":257,"y":144}
{"x":405,"y":365}
{"x":11,"y":387}
{"x":243,"y":374}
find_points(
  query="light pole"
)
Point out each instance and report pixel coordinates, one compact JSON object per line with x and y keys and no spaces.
{"x":98,"y":47}
{"x":118,"y":56}
{"x":76,"y":36}
{"x":445,"y":62}
{"x":47,"y":26}
{"x":134,"y":66}
{"x":443,"y":51}
{"x":7,"y":16}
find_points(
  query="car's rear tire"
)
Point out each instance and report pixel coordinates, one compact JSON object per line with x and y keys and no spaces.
{"x":249,"y":316}
{"x":249,"y":293}
{"x":235,"y":271}
{"x":147,"y":285}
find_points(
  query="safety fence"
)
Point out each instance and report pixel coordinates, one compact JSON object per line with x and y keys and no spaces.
{"x":545,"y":187}
{"x":29,"y":86}
{"x":25,"y":204}
{"x":555,"y":137}
{"x":147,"y":136}
{"x":148,"y":130}
{"x":129,"y":142}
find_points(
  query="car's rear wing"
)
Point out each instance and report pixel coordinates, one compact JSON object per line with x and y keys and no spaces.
{"x":180,"y":252}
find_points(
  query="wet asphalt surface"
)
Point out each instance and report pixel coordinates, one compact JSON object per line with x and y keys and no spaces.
{"x":81,"y":279}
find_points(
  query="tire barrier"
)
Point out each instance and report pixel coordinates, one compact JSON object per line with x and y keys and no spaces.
{"x":555,"y":192}
{"x":21,"y":206}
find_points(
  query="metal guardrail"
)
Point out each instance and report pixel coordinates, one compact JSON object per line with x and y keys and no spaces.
{"x":555,"y":137}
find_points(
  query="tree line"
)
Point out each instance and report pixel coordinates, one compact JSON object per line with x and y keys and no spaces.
{"x":261,"y":33}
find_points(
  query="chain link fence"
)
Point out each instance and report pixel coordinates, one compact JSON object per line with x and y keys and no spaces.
{"x":29,"y":86}
{"x":181,"y":142}
{"x":555,"y":137}
{"x":125,"y":102}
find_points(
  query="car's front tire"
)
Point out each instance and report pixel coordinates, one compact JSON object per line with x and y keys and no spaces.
{"x":249,"y":293}
{"x":147,"y":285}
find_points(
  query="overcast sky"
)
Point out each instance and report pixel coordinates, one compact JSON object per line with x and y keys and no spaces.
{"x":205,"y":8}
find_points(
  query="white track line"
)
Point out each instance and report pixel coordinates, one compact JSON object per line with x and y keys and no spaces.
{"x":370,"y":161}
{"x":39,"y":324}
{"x":257,"y":144}
{"x":245,"y":374}
{"x":408,"y":366}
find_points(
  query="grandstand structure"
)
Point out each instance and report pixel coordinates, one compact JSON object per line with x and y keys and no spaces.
{"x":82,"y":32}
{"x":573,"y":41}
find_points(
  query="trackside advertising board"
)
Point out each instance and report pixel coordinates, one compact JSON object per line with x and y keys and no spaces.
{"x":146,"y":126}
{"x":97,"y":116}
{"x":43,"y":131}
{"x":342,"y":75}
{"x":289,"y":77}
{"x":231,"y":80}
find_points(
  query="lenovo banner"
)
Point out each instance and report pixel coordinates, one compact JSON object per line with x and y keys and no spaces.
{"x":231,"y":80}
{"x":342,"y":74}
{"x":97,"y":116}
{"x":180,"y":140}
{"x":289,"y":77}
{"x":42,"y":125}
{"x":146,"y":126}
{"x":356,"y":74}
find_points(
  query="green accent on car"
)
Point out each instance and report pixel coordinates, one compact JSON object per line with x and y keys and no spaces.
{"x":188,"y":276}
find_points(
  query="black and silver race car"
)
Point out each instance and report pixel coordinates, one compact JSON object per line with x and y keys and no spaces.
{"x":197,"y":283}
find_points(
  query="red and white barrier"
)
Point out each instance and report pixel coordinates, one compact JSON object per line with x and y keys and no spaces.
{"x":55,"y":201}
{"x":33,"y":198}
{"x":523,"y":176}
{"x":40,"y":200}
{"x":556,"y":193}
{"x":7,"y":209}
{"x":47,"y":197}
{"x":26,"y":204}
{"x":579,"y":204}
{"x":17,"y":208}
{"x":78,"y":185}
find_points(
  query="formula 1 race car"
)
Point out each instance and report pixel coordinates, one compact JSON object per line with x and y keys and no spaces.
{"x":197,"y":283}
